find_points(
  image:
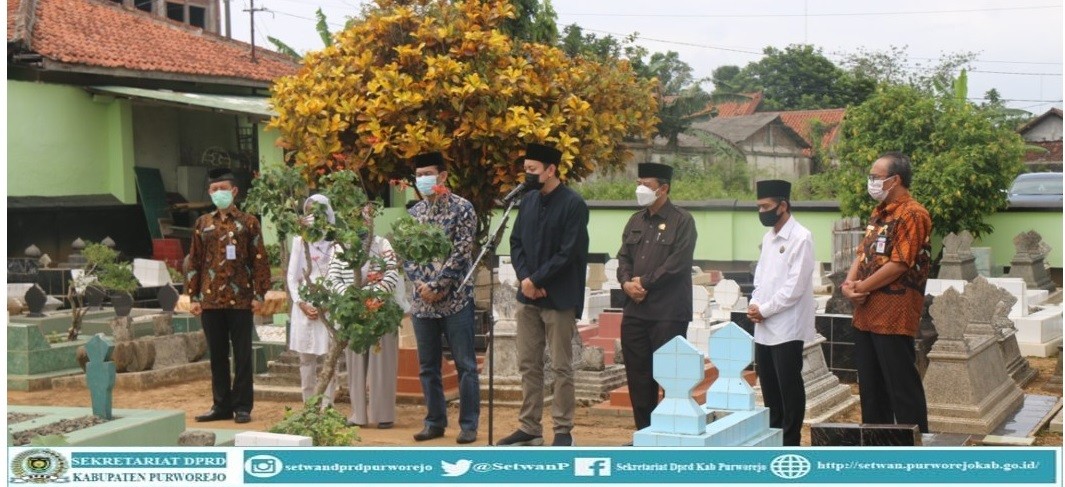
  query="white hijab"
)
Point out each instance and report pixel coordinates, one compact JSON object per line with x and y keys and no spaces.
{"x":323,"y":246}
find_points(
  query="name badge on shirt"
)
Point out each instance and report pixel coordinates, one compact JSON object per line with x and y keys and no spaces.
{"x":231,"y":252}
{"x":881,"y":243}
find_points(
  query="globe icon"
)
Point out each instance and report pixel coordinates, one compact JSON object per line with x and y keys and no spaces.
{"x":790,"y":466}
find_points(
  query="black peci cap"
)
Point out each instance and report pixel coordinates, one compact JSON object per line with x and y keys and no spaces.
{"x":545,"y":154}
{"x":654,"y":170}
{"x":427,"y":159}
{"x":774,"y":188}
{"x":220,"y":174}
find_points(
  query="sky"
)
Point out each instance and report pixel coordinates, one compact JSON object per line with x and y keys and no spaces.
{"x":1018,"y":44}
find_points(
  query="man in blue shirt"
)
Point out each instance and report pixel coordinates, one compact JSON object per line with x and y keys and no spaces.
{"x":440,"y":306}
{"x":549,"y":251}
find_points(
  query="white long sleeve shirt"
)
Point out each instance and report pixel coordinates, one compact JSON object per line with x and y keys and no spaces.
{"x":783,"y":287}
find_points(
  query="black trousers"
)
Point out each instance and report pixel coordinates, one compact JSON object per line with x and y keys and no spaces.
{"x":779,"y":370}
{"x":639,"y":340}
{"x":888,"y":383}
{"x":222,"y":328}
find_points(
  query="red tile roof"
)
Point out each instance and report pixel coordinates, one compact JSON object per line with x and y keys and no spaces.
{"x":801,"y":122}
{"x":734,"y":108}
{"x":1053,"y":153}
{"x":103,"y":34}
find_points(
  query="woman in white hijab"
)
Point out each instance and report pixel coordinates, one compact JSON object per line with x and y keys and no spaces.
{"x":372,"y":375}
{"x":308,"y":335}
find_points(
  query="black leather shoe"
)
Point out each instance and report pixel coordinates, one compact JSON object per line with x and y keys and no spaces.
{"x":242,"y":417}
{"x":214,"y":415}
{"x":521,"y":438}
{"x":428,"y":433}
{"x":466,"y":436}
{"x":385,"y":425}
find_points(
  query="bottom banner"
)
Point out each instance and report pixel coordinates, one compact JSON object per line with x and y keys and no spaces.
{"x":210,"y":467}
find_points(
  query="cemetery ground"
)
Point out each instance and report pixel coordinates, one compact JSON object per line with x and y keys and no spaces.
{"x":590,"y":429}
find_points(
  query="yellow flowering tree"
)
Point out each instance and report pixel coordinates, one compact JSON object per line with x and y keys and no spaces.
{"x":414,"y":76}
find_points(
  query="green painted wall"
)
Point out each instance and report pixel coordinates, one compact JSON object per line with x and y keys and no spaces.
{"x":735,"y":235}
{"x":269,"y":156}
{"x":60,"y":144}
{"x":723,"y":235}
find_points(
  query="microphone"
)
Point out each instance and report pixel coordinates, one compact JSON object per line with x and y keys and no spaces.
{"x":519,"y":189}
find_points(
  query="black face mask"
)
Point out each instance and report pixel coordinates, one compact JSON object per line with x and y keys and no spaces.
{"x":532,"y":181}
{"x":769,"y":218}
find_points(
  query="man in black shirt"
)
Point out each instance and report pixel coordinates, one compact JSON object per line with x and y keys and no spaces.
{"x":549,"y":251}
{"x":654,"y":267}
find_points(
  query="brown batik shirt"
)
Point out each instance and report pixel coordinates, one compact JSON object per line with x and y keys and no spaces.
{"x":228,"y":265}
{"x":898,"y":231}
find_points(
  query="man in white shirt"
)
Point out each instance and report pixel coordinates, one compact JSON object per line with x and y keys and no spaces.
{"x":782,"y":308}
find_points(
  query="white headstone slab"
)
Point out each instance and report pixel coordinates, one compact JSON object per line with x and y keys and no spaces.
{"x":727,"y":293}
{"x":700,"y":301}
{"x":151,"y":273}
{"x":935,"y":287}
{"x":507,"y":274}
{"x":611,"y":270}
{"x":1018,"y":288}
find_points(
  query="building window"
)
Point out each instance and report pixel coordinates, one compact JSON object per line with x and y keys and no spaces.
{"x":175,"y":11}
{"x":145,"y":5}
{"x":198,"y":16}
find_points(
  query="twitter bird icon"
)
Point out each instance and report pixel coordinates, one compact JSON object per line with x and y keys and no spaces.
{"x":456,"y":469}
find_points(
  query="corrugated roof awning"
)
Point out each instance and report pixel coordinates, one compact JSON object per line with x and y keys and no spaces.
{"x":242,"y":105}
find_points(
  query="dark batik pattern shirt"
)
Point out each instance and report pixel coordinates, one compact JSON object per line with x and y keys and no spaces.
{"x":899,"y":231}
{"x":456,"y":216}
{"x":217,"y":281}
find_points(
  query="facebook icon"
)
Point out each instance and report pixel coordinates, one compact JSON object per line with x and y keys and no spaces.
{"x":591,"y":467}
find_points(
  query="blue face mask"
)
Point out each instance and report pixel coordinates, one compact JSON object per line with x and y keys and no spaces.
{"x":425,"y":184}
{"x":222,"y":198}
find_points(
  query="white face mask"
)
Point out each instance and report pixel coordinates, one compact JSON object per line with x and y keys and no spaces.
{"x":875,"y":188}
{"x":645,"y":196}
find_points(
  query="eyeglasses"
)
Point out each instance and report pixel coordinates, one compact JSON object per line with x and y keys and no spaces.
{"x":874,"y":177}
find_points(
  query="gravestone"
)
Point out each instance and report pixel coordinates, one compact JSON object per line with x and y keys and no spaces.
{"x":699,"y":327}
{"x":966,"y":385}
{"x":1029,"y":261}
{"x":94,"y":297}
{"x":100,"y":377}
{"x":838,"y":304}
{"x":506,"y":383}
{"x":196,"y":438}
{"x":926,"y":336}
{"x":1017,"y":366}
{"x":123,"y":303}
{"x":1054,"y":382}
{"x":24,"y":269}
{"x":847,"y":234}
{"x":76,"y":260}
{"x":596,"y":270}
{"x":825,"y":395}
{"x":845,"y":434}
{"x":733,"y":418}
{"x":151,"y":273}
{"x":958,"y":261}
{"x":983,"y":299}
{"x":168,"y":298}
{"x":728,"y":298}
{"x":610,"y":269}
{"x":35,"y":299}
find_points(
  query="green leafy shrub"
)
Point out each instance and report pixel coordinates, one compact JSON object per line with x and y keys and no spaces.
{"x":325,"y":426}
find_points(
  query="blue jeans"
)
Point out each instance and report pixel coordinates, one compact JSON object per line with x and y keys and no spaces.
{"x":459,"y":329}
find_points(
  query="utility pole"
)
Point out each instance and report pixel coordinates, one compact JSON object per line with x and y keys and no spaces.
{"x":229,"y":31}
{"x":251,"y":10}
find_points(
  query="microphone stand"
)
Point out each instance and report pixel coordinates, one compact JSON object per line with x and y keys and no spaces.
{"x":490,"y":246}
